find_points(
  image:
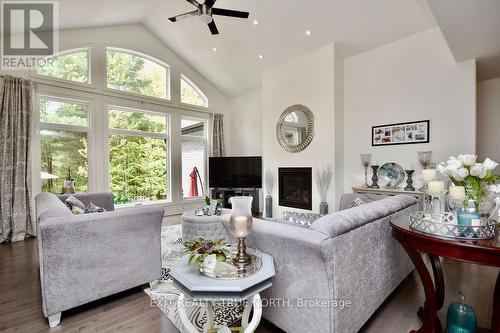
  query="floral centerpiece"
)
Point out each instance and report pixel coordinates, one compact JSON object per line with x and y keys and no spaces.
{"x":475,"y":177}
{"x":199,"y":249}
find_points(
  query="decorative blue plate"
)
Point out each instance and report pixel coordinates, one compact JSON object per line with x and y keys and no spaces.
{"x":391,"y":174}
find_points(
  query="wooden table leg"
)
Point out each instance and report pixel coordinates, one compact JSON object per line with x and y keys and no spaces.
{"x":495,"y":317}
{"x":430,"y":309}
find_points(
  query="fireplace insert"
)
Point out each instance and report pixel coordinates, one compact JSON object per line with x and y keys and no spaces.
{"x":295,"y":187}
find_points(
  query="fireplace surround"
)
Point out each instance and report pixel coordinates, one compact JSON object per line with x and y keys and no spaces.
{"x":295,"y":187}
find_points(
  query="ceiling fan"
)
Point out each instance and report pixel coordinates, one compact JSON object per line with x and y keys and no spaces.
{"x":205,"y":11}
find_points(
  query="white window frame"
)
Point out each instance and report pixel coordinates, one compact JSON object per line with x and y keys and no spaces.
{"x":203,"y":139}
{"x":138,"y":54}
{"x":88,"y":84}
{"x":195,"y":87}
{"x":39,"y":126}
{"x":123,"y":132}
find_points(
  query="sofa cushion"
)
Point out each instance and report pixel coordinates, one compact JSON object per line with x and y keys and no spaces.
{"x":343,"y":221}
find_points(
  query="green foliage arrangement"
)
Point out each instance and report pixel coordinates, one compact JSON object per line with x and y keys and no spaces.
{"x":200,"y":248}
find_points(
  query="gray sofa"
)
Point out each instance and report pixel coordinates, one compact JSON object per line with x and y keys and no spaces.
{"x":86,"y":257}
{"x":347,"y":256}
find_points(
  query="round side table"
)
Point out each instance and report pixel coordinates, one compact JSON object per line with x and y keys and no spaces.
{"x":415,"y":243}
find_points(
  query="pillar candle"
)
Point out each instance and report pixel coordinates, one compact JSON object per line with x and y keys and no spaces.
{"x":435,"y":188}
{"x":457,"y":193}
{"x":428,"y":174}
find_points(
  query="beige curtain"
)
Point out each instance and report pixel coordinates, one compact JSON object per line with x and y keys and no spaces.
{"x":16,"y":109}
{"x":218,"y":149}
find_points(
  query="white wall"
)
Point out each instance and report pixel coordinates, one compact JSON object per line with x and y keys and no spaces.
{"x":488,"y":119}
{"x":415,"y":78}
{"x":246,"y":124}
{"x":307,"y":80}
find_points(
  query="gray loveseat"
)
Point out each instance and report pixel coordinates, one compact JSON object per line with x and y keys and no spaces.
{"x":347,"y":256}
{"x":86,"y":257}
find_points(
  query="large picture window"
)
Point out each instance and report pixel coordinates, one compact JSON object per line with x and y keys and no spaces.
{"x":134,"y":73}
{"x":138,"y":155}
{"x":194,"y":150}
{"x":70,"y":66}
{"x":64,"y":144}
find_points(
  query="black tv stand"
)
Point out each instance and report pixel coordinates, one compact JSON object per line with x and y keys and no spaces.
{"x":226,"y":193}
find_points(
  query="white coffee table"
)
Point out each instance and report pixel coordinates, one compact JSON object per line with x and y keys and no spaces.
{"x":198,"y":287}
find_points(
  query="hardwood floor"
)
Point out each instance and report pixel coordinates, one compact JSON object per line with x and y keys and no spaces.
{"x":131,"y":311}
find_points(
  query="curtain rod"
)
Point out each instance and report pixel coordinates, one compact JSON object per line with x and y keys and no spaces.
{"x":130,"y":98}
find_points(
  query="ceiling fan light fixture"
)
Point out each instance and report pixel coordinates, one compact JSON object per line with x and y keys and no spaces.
{"x":205,"y":18}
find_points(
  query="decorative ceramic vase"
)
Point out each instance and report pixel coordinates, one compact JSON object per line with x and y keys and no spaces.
{"x":409,"y":180}
{"x":240,"y":224}
{"x":461,"y":318}
{"x":374,"y":177}
{"x":269,"y":206}
{"x":323,"y":208}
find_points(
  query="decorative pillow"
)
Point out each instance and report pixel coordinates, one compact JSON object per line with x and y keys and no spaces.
{"x":357,"y":202}
{"x":72,"y":202}
{"x":91,"y":208}
{"x":305,"y":226}
{"x":77,"y":210}
{"x":304,"y":219}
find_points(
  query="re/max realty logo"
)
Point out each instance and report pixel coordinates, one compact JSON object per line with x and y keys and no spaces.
{"x":29,"y":34}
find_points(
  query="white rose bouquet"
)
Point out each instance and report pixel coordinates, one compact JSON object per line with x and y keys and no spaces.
{"x":475,"y":177}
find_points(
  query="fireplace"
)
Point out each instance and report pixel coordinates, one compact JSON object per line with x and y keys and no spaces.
{"x":295,"y":187}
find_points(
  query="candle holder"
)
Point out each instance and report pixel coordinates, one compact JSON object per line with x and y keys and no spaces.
{"x":366,"y":160}
{"x":409,"y":180}
{"x":240,"y":224}
{"x":374,"y":177}
{"x":424,"y":157}
{"x":437,"y":206}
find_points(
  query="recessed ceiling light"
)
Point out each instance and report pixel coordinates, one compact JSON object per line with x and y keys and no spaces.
{"x":255,"y":22}
{"x":308,"y":32}
{"x":261,"y":56}
{"x":214,"y":49}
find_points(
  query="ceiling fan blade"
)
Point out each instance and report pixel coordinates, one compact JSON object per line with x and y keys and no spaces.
{"x":213,"y":28}
{"x":194,"y":3}
{"x":228,"y":12}
{"x":210,"y":3}
{"x":183,"y":16}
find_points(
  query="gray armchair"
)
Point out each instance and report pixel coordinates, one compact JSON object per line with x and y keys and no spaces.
{"x":90,"y":256}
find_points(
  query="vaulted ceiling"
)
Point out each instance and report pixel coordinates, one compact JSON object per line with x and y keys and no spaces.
{"x":235,"y":68}
{"x":472,"y":30}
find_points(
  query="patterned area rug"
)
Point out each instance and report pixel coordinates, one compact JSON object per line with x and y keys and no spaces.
{"x":165,"y":294}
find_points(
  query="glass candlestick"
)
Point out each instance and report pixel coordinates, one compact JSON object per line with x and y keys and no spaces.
{"x":366,"y":160}
{"x":240,"y":224}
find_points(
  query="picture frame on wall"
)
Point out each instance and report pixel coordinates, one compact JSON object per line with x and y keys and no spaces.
{"x":401,"y":133}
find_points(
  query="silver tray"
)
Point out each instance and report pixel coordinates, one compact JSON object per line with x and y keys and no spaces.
{"x":228,"y":271}
{"x":448,"y":227}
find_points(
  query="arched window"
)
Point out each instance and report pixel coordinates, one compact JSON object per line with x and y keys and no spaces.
{"x":71,"y":65}
{"x":136,"y":73}
{"x":191,"y":94}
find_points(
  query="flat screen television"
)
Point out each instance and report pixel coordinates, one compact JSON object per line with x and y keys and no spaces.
{"x":235,"y":172}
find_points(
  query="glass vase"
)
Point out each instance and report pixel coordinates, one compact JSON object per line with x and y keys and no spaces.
{"x":240,"y":224}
